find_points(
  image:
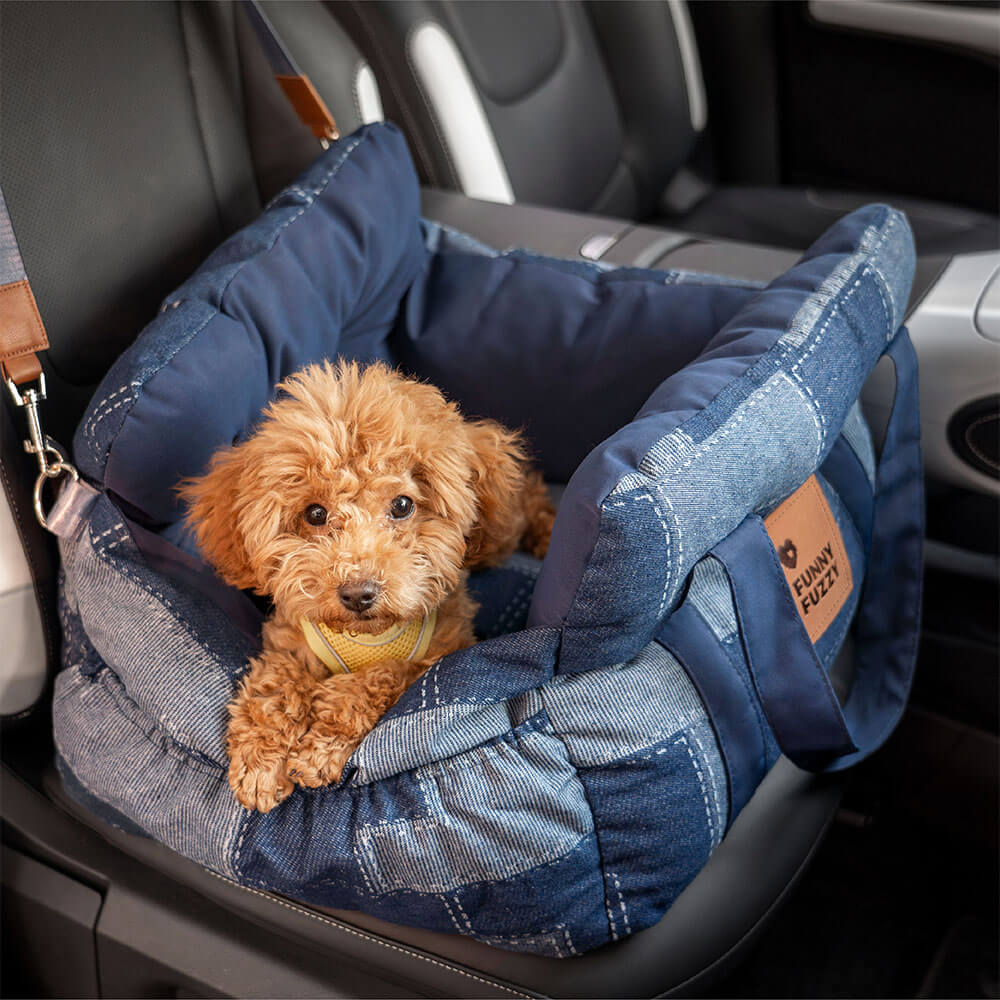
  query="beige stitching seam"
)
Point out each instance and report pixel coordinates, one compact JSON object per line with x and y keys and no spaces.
{"x":368,"y":937}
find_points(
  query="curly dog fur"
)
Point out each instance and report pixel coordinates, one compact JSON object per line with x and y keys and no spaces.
{"x":354,"y":443}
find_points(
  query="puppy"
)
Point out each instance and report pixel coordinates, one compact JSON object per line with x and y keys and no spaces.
{"x":358,"y":506}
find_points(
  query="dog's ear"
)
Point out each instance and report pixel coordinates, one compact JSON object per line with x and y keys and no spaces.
{"x":500,"y":469}
{"x":213,"y":506}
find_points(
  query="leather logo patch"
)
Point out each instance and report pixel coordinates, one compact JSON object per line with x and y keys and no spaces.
{"x":812,"y":554}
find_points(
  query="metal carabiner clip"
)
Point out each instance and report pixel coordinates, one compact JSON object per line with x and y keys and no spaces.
{"x":40,"y":444}
{"x":53,"y":471}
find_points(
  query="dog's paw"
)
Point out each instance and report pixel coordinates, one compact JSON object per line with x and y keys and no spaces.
{"x":319,"y":761}
{"x":259,"y":785}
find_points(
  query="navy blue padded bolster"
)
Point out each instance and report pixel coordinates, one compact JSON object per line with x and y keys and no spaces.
{"x":322,"y":271}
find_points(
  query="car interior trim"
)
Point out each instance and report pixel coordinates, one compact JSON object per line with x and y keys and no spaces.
{"x":367,"y":96}
{"x":694,"y":83}
{"x":988,"y":308}
{"x":952,"y":559}
{"x":22,"y":667}
{"x":958,"y":364}
{"x":458,"y":113}
{"x":951,"y":23}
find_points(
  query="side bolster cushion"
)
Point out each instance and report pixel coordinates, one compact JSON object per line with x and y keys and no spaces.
{"x":733,"y":433}
{"x":321,"y":272}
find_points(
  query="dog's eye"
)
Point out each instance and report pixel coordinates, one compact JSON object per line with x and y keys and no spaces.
{"x":315,"y":515}
{"x":400,"y":508}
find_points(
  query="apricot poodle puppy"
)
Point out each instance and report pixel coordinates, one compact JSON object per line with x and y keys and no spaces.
{"x":358,"y":506}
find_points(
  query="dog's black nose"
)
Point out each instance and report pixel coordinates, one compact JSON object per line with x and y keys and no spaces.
{"x":359,"y":596}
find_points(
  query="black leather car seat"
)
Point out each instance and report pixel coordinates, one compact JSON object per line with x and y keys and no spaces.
{"x":593,"y":105}
{"x":135,"y":138}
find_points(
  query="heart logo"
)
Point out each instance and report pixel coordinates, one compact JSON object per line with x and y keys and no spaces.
{"x":788,"y":554}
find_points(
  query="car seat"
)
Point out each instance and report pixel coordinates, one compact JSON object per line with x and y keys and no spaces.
{"x":122,"y":172}
{"x":594,"y":106}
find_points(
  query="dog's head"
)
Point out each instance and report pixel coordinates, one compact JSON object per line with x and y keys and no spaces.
{"x":360,"y":498}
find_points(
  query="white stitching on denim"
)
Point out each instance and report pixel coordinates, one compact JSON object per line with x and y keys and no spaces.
{"x":611,"y":916}
{"x":89,"y":427}
{"x":754,"y":399}
{"x":169,"y":741}
{"x":454,"y":920}
{"x":621,"y":902}
{"x":112,"y":686}
{"x":843,"y":299}
{"x":366,"y":937}
{"x":666,"y":534}
{"x":723,"y":431}
{"x":818,"y":419}
{"x":245,"y":825}
{"x":106,"y":412}
{"x":678,"y":563}
{"x":701,"y":783}
{"x":119,"y":567}
{"x":90,"y":431}
{"x":368,"y":830}
{"x":310,"y":195}
{"x":360,"y":861}
{"x":873,"y":253}
{"x":437,"y":887}
{"x":569,"y":940}
{"x":464,"y":915}
{"x":881,"y":287}
{"x":545,"y":936}
{"x":94,"y":539}
{"x":520,"y":600}
{"x":717,"y":838}
{"x":136,"y":579}
{"x":532,"y":574}
{"x":423,"y":778}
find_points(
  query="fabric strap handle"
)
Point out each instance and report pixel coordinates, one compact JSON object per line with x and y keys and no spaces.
{"x":295,"y":85}
{"x":22,"y":333}
{"x":798,"y":700}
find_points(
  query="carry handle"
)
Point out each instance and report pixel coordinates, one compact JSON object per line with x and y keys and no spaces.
{"x":801,"y":707}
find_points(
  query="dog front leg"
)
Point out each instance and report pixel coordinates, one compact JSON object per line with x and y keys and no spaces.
{"x":345,"y":708}
{"x":269,"y":716}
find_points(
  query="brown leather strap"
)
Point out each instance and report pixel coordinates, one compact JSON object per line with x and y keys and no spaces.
{"x":21,"y":333}
{"x":309,"y":106}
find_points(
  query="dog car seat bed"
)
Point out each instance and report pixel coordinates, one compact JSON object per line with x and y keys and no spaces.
{"x":556,"y":786}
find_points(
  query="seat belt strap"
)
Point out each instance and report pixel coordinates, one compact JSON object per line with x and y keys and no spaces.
{"x":22,"y":332}
{"x":295,"y":85}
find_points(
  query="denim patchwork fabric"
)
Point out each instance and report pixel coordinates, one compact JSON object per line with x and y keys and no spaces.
{"x":745,"y":423}
{"x":558,"y":785}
